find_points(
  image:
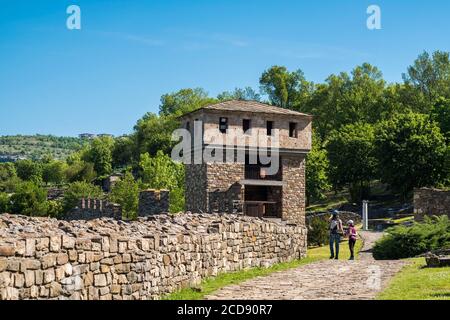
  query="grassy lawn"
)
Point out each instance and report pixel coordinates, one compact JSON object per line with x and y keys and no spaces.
{"x":212,"y":284}
{"x":417,"y":283}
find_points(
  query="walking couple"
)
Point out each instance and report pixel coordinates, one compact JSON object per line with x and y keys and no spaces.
{"x":337,"y":231}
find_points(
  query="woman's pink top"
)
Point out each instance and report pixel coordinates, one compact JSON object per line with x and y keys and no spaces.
{"x":352,"y":233}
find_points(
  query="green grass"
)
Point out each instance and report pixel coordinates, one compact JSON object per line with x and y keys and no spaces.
{"x":402,"y":220}
{"x":212,"y":284}
{"x":415,"y":282}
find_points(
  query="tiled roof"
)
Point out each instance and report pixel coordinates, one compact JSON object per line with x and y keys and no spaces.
{"x":251,"y":106}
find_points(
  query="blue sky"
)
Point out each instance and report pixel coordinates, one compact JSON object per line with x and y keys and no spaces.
{"x":105,"y":76}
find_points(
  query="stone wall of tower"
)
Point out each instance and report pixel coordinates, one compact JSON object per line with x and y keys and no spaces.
{"x":223,"y":187}
{"x":196,"y":197}
{"x":214,"y":187}
{"x":293,"y":192}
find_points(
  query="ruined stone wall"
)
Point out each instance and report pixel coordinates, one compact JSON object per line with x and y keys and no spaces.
{"x":150,"y":202}
{"x":42,"y":258}
{"x":293,"y":194}
{"x":93,"y":209}
{"x":429,"y":202}
{"x":153,"y":202}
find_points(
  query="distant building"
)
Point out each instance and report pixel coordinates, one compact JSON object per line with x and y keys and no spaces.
{"x":11,"y":158}
{"x":90,"y":136}
{"x":87,"y":136}
{"x":104,"y":135}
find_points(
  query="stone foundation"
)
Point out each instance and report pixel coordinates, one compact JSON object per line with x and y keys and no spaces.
{"x":429,"y":202}
{"x":42,"y":258}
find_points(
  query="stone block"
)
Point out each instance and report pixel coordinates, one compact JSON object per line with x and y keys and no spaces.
{"x":7,"y":250}
{"x":100,"y":280}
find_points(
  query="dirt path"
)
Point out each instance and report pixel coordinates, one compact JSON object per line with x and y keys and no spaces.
{"x":327,"y":279}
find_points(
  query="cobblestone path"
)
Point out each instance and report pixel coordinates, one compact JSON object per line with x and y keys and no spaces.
{"x":327,"y":279}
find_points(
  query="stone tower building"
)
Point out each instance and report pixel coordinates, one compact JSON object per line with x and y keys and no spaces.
{"x":228,"y":170}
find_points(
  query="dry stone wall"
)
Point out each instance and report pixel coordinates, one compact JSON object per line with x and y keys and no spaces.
{"x":42,"y":258}
{"x":429,"y":202}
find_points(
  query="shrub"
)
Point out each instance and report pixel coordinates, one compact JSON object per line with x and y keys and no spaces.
{"x":29,"y":199}
{"x":54,"y":208}
{"x":160,"y":172}
{"x":77,"y":191}
{"x":4,"y":202}
{"x":29,"y":170}
{"x":126,"y":193}
{"x":317,"y":232}
{"x":405,"y":242}
{"x":10,"y":186}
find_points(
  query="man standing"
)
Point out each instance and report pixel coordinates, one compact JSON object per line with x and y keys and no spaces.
{"x":336,"y":230}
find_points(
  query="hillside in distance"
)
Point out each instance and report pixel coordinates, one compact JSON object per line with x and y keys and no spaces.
{"x":37,"y":146}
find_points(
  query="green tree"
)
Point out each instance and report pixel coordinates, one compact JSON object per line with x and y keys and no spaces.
{"x":54,"y":172}
{"x":352,"y":158}
{"x":411,"y":152}
{"x":430,"y":75}
{"x":345,"y":99}
{"x":5,"y":202}
{"x":29,"y":170}
{"x":440,"y":113}
{"x":100,"y":154}
{"x":183,"y":101}
{"x":246,"y":93}
{"x":7,"y":171}
{"x":78,"y":190}
{"x":286,"y":89}
{"x":126,"y":193}
{"x":160,"y":172}
{"x":317,"y":182}
{"x":80,"y":171}
{"x":8,"y":176}
{"x":29,"y":199}
{"x":153,"y":133}
{"x":123,"y":152}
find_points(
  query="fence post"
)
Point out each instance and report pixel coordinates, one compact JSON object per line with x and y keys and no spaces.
{"x":365,"y":215}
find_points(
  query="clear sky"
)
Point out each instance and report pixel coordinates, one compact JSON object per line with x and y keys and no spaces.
{"x":105,"y":76}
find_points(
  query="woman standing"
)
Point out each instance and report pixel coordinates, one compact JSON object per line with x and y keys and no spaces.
{"x":336,"y":231}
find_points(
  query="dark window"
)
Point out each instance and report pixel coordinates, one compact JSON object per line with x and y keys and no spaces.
{"x":188,"y":126}
{"x":292,"y":130}
{"x":246,"y":125}
{"x":269,"y":127}
{"x":223,"y":125}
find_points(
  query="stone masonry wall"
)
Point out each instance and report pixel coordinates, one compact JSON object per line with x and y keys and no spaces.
{"x":195,"y":194}
{"x":429,"y":202}
{"x":42,"y":258}
{"x":209,"y":185}
{"x":293,"y":194}
{"x":153,"y":202}
{"x":223,"y":178}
